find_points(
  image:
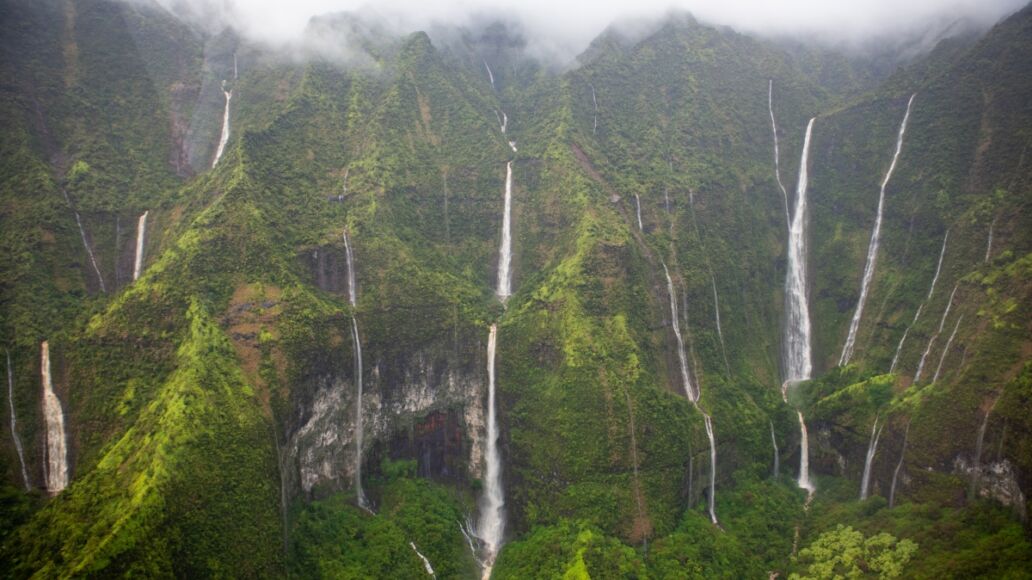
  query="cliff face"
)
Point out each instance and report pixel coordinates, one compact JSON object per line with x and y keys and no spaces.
{"x":223,"y":382}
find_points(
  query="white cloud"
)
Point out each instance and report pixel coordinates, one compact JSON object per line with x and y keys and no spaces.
{"x":568,"y":26}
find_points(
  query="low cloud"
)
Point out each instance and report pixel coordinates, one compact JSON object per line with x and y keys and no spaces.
{"x":563,"y":29}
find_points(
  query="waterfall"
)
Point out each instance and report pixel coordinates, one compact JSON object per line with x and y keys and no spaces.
{"x":468,"y":533}
{"x":504,"y":290}
{"x":426,"y":563}
{"x":989,"y":241}
{"x":798,"y":362}
{"x":872,"y":248}
{"x":976,"y":464}
{"x":492,"y":515}
{"x":872,"y":448}
{"x":675,"y":321}
{"x":777,"y":155}
{"x":931,"y":341}
{"x":141,"y":233}
{"x":89,"y":250}
{"x":777,"y":453}
{"x":594,"y":116}
{"x":720,"y":332}
{"x":503,"y":121}
{"x":938,"y":269}
{"x":899,"y":466}
{"x":637,"y":206}
{"x":224,"y":136}
{"x":946,"y":349}
{"x":54,"y":435}
{"x":804,"y":457}
{"x":693,"y":392}
{"x":353,"y":300}
{"x":236,"y":75}
{"x":14,"y":423}
{"x":713,"y":467}
{"x":489,"y":75}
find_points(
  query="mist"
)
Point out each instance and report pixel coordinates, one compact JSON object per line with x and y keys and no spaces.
{"x":561,"y":30}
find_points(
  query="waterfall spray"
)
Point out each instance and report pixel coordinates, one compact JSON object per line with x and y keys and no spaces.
{"x":946,"y":349}
{"x":804,"y":457}
{"x":492,"y":516}
{"x":872,"y":248}
{"x":490,"y":76}
{"x":777,"y":156}
{"x":637,"y":206}
{"x":931,"y":341}
{"x":777,"y":453}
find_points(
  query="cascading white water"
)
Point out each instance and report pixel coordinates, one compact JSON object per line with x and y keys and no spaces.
{"x":86,"y":244}
{"x":693,"y":392}
{"x":899,"y":466}
{"x":468,"y":534}
{"x":359,"y":429}
{"x":14,"y":424}
{"x":224,"y":135}
{"x":637,"y":210}
{"x":798,"y":361}
{"x":777,"y":453}
{"x":946,"y":349}
{"x":777,"y":155}
{"x":872,"y":248}
{"x":989,"y":241}
{"x":490,"y":76}
{"x":675,"y":322}
{"x":141,"y":233}
{"x":720,"y":332}
{"x":931,"y":341}
{"x":236,"y":75}
{"x":938,"y":269}
{"x":492,"y":516}
{"x":426,"y":563}
{"x":872,"y":448}
{"x":804,"y":457}
{"x":713,"y":467}
{"x":976,"y":464}
{"x":594,"y":101}
{"x":504,"y":290}
{"x":54,"y":435}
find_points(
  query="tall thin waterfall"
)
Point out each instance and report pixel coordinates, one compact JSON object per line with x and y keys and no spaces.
{"x":426,"y":563}
{"x":675,"y":322}
{"x":777,"y":453}
{"x":777,"y":155}
{"x":976,"y":464}
{"x":141,"y":233}
{"x":236,"y":73}
{"x":989,"y":241}
{"x":931,"y":341}
{"x":86,"y":244}
{"x":872,"y":248}
{"x":946,"y":349}
{"x":798,"y":363}
{"x":872,"y":448}
{"x":899,"y":466}
{"x":693,"y":393}
{"x":637,"y":209}
{"x":492,"y":514}
{"x":490,"y":75}
{"x":53,"y":415}
{"x":14,"y":424}
{"x":594,"y":101}
{"x":804,"y":457}
{"x":224,"y":136}
{"x":938,"y":269}
{"x":504,"y":290}
{"x":359,"y":429}
{"x":713,"y":467}
{"x":720,"y":332}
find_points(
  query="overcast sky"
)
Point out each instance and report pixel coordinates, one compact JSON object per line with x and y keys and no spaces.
{"x":567,"y":26}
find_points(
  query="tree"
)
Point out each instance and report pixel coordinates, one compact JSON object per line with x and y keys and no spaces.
{"x":846,"y":553}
